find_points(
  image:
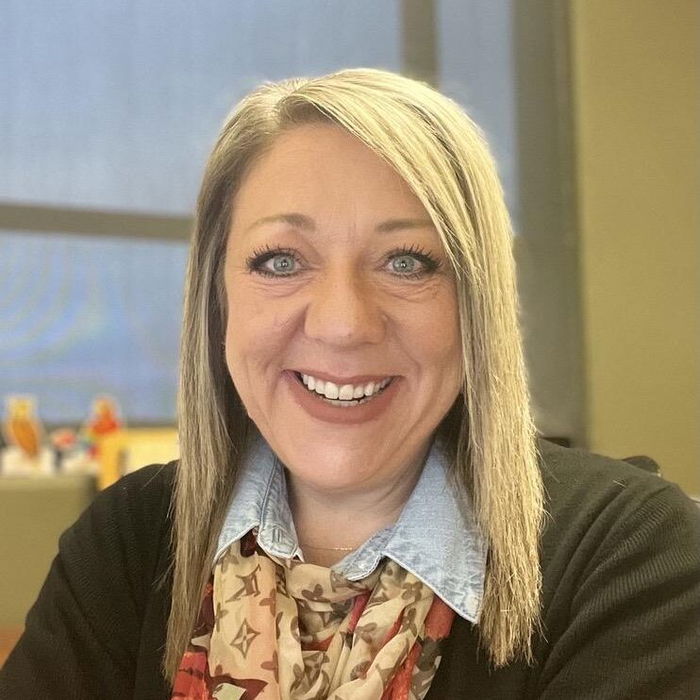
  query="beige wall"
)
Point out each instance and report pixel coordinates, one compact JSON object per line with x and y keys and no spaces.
{"x":146,"y":446}
{"x":636,"y":91}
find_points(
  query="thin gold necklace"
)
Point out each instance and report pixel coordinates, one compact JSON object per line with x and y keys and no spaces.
{"x":327,"y":549}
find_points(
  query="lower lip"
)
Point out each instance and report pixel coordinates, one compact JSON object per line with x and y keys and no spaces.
{"x":321,"y":410}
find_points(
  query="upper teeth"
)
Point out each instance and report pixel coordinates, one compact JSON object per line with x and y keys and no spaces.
{"x":343,"y":391}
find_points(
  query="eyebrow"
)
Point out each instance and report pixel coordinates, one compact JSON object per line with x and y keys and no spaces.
{"x":306,"y":223}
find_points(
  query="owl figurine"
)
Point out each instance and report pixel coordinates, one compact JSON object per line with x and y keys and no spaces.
{"x":22,"y":428}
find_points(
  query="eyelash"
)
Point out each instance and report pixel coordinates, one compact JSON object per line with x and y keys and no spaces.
{"x":259,"y":257}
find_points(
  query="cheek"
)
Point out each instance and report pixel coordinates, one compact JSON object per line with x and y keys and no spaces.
{"x":247,"y":353}
{"x":433,"y":327}
{"x":243,"y":332}
{"x":256,"y":332}
{"x":442,"y":348}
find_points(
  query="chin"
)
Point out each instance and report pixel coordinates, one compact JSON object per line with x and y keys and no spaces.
{"x":338,"y":476}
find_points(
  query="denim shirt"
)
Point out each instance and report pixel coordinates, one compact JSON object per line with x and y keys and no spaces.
{"x":435,"y":538}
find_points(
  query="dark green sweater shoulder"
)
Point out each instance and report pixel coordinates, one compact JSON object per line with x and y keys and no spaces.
{"x":620,"y":557}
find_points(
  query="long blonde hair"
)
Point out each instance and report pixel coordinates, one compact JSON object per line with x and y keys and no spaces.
{"x":441,"y":154}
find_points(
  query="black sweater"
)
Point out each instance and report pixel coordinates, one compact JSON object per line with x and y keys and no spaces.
{"x":621,"y":598}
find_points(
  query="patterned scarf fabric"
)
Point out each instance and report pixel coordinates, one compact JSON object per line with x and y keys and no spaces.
{"x":271,"y":629}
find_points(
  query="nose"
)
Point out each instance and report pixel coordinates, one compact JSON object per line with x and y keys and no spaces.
{"x":344,"y":311}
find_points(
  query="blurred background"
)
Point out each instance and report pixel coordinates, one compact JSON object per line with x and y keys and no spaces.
{"x":108,"y":111}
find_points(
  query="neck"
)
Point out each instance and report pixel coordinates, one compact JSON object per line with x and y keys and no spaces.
{"x":330,"y":524}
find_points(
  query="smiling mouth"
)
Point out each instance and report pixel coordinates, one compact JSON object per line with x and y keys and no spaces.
{"x":346,"y":395}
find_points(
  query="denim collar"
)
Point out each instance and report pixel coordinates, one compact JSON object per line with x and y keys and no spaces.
{"x":436,"y":536}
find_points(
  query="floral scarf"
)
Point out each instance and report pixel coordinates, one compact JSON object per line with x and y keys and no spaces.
{"x":271,"y":629}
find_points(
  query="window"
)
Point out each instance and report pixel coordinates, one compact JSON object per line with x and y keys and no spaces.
{"x":82,"y":316}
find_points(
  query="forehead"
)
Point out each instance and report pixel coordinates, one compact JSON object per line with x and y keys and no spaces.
{"x":322,"y":169}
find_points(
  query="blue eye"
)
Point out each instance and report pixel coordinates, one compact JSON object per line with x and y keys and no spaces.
{"x":273,"y":263}
{"x":404,"y":264}
{"x":412,"y":262}
{"x":282,"y":263}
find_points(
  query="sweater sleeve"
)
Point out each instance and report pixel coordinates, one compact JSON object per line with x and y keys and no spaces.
{"x":82,"y":635}
{"x":631,"y":625}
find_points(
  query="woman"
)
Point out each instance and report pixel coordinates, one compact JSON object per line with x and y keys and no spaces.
{"x":362,"y":508}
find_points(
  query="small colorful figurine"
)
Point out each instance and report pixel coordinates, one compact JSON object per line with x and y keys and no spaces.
{"x":103,"y":431}
{"x":104,"y":418}
{"x":22,"y":427}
